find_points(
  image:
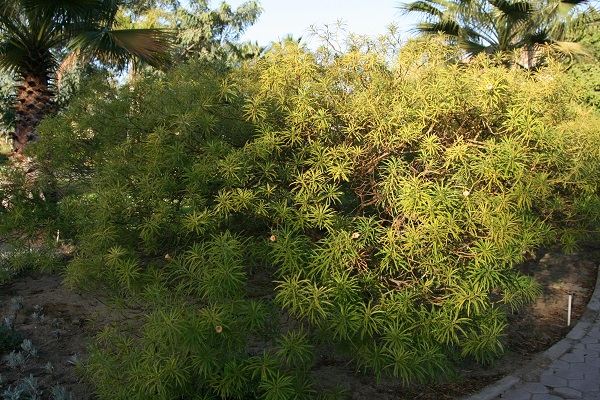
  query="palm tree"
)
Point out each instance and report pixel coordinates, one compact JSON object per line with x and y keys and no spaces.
{"x":32,"y":32}
{"x":502,"y":26}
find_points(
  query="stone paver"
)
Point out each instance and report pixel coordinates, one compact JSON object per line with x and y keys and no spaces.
{"x":568,"y":370}
{"x":567,"y":393}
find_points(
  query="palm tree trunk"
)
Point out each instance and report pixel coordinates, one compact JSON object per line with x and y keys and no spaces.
{"x":34,"y":103}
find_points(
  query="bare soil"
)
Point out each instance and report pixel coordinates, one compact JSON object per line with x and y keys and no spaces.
{"x":70,"y":321}
{"x":60,"y":332}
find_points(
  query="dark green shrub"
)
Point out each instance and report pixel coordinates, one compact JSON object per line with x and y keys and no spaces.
{"x":9,"y":339}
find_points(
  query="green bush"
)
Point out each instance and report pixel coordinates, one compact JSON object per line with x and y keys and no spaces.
{"x":374,"y":202}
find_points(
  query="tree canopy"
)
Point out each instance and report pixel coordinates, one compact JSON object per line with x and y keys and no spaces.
{"x":503,"y":26}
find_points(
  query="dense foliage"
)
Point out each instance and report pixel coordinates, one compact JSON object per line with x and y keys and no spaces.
{"x":46,"y":48}
{"x":588,"y":69}
{"x":33,"y":33}
{"x":501,"y":26}
{"x":372,"y":204}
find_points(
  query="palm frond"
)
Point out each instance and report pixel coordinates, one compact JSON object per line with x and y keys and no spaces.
{"x":9,"y":10}
{"x":472,"y":35}
{"x":541,"y":36}
{"x":71,"y":17}
{"x":446,"y":27}
{"x":11,"y":56}
{"x":473,"y":47}
{"x":565,"y":7}
{"x":576,"y":2}
{"x":68,"y":8}
{"x":578,"y":50}
{"x":106,"y":15}
{"x":425,"y":7}
{"x":514,"y":12}
{"x":149,"y":45}
{"x":13,"y":28}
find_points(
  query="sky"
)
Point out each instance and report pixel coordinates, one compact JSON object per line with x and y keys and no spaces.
{"x":283,"y":17}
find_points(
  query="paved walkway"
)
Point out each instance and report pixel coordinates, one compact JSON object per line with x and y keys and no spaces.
{"x":568,"y":370}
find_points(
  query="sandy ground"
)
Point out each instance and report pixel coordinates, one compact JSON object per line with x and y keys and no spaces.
{"x":61,"y":330}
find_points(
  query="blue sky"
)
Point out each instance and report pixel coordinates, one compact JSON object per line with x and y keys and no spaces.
{"x":282,"y":17}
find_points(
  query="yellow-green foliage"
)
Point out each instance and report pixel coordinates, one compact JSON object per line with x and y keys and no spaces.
{"x":418,"y":184}
{"x":370,"y":203}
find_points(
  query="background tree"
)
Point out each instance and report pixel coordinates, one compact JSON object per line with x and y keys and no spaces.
{"x":201,"y":31}
{"x":502,"y":26}
{"x":32,"y":31}
{"x":588,"y":71}
{"x":205,"y":32}
{"x":7,"y":99}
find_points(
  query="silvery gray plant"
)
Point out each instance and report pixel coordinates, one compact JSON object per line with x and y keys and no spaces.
{"x":28,"y":347}
{"x":38,"y":313}
{"x":12,"y":394}
{"x":9,"y":322}
{"x":15,"y":359}
{"x":16,"y":303}
{"x":27,"y":389}
{"x":61,"y":393}
{"x":49,"y":367}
